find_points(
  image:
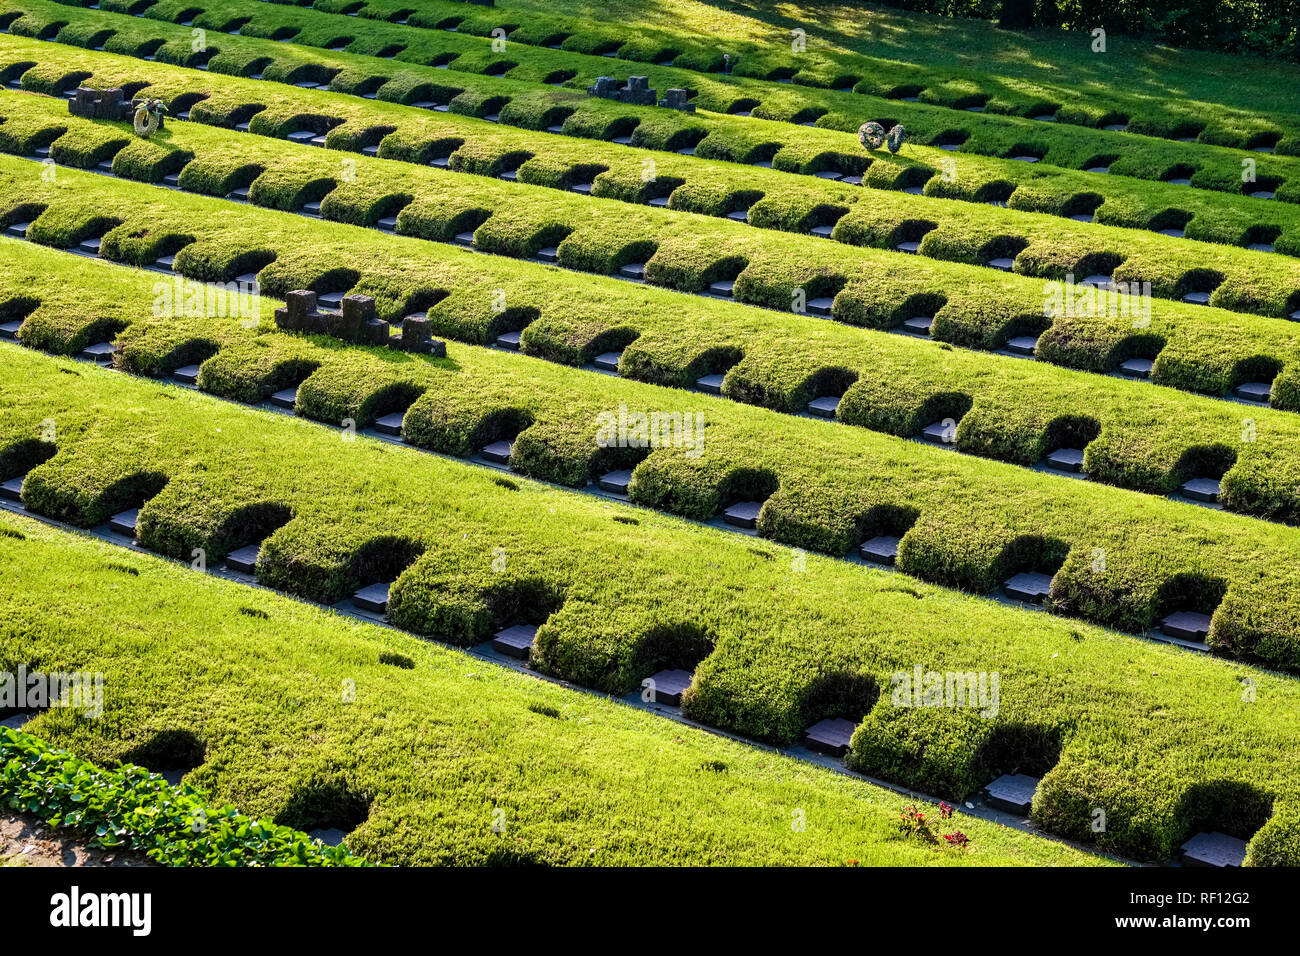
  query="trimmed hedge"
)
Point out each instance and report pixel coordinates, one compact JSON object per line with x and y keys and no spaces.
{"x":823,"y":78}
{"x":615,"y":607}
{"x":1135,"y":436}
{"x":1208,"y":216}
{"x":829,"y":488}
{"x":1213,"y":166}
{"x":450,"y":761}
{"x":1197,"y":349}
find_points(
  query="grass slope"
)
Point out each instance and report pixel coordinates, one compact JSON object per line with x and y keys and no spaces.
{"x":1131,"y":195}
{"x":433,"y":747}
{"x":829,"y":488}
{"x":943,"y":50}
{"x":621,"y":593}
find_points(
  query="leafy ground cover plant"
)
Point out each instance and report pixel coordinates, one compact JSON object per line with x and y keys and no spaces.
{"x":128,"y":807}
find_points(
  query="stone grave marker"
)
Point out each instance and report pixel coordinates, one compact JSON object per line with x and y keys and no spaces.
{"x":831,"y":736}
{"x":1012,"y":793}
{"x":498,"y":452}
{"x":616,"y":482}
{"x":1213,"y":849}
{"x":669,"y":685}
{"x":743,"y":514}
{"x":244,"y":560}
{"x":1186,"y":625}
{"x":882,"y":549}
{"x":1030,"y":587}
{"x":373,"y":598}
{"x":124,"y":522}
{"x":515,"y":641}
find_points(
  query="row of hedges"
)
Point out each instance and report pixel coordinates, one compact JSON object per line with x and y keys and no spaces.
{"x":429,"y":760}
{"x":1128,"y":197}
{"x":1240,"y":280}
{"x":684,"y":60}
{"x":619,"y":593}
{"x":129,"y":808}
{"x":829,"y":488}
{"x":1137,"y":436}
{"x":1195,"y":348}
{"x":1059,"y":144}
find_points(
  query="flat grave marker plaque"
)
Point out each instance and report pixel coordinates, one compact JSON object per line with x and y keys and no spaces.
{"x":1012,"y":793}
{"x":824,"y":406}
{"x":616,"y":482}
{"x":498,"y":452}
{"x":1214,"y":849}
{"x":1031,"y":587}
{"x":100,"y":353}
{"x":1066,"y":459}
{"x":831,"y":736}
{"x":669,"y":685}
{"x":607,"y":361}
{"x":1255,"y":392}
{"x":187,"y":374}
{"x":710,"y":383}
{"x":244,"y":560}
{"x":515,"y":641}
{"x":882,"y":549}
{"x":124,"y":522}
{"x":743,"y":514}
{"x":1136,"y":368}
{"x":1186,"y":625}
{"x":390,"y":424}
{"x":373,"y":598}
{"x":1201,"y":489}
{"x":12,"y":489}
{"x":1023,"y":345}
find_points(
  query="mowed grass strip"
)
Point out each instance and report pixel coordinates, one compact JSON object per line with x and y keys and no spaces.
{"x":526,"y":94}
{"x":960,"y":43}
{"x":1167,"y":743}
{"x":437,"y":748}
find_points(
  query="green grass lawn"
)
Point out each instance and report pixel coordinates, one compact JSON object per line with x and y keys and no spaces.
{"x":830,"y":488}
{"x":434,"y":744}
{"x":956,"y":49}
{"x":427,"y":753}
{"x":782,"y":646}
